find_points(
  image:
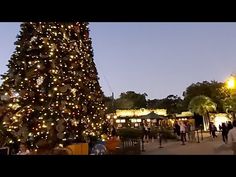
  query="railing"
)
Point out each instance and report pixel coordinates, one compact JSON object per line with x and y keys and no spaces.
{"x":129,"y":146}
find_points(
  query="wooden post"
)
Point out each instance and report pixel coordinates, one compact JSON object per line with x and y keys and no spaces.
{"x":160,"y":140}
{"x":142,"y":142}
{"x":198,"y":137}
{"x":201,"y":134}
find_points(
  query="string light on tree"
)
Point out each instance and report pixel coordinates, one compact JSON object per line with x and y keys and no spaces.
{"x":54,"y":62}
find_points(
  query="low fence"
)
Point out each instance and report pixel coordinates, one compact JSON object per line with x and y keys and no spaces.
{"x":127,"y":146}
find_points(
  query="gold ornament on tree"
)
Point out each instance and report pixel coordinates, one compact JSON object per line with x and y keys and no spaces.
{"x":74,"y":91}
{"x":14,"y":106}
{"x":30,"y":73}
{"x":8,"y":116}
{"x":64,"y":88}
{"x":54,"y":66}
{"x":33,"y":39}
{"x":5,"y":97}
{"x":40,"y":80}
{"x":45,"y":40}
{"x":74,"y":122}
{"x":84,"y":109}
{"x":17,"y":79}
{"x":60,"y":128}
{"x":77,"y":49}
{"x":65,"y":36}
{"x":63,"y":105}
{"x":43,"y":56}
{"x":77,"y":28}
{"x":54,"y":46}
{"x":39,"y":29}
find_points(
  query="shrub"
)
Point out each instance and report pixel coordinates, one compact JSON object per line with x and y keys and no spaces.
{"x":168,"y":134}
{"x":132,"y":133}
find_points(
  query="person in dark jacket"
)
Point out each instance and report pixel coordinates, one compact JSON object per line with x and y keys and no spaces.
{"x":214,"y":129}
{"x":229,"y":126}
{"x":224,"y":131}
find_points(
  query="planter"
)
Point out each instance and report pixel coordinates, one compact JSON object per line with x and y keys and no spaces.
{"x":79,"y":149}
{"x":112,"y":145}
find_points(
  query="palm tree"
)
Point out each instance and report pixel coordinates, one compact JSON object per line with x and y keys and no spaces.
{"x":202,"y":105}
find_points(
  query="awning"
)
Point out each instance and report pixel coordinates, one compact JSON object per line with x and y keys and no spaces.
{"x":152,"y":115}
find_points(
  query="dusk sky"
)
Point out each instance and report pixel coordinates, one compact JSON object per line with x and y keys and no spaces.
{"x":156,"y":58}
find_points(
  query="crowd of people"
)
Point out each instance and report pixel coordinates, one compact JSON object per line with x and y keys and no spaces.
{"x":184,"y":130}
{"x":225,"y":127}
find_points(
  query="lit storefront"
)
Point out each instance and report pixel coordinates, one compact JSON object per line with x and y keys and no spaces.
{"x":184,"y":116}
{"x":220,"y":118}
{"x":133,"y":118}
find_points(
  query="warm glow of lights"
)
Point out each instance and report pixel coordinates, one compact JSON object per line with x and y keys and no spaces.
{"x":122,"y":120}
{"x":139,"y":112}
{"x":231,"y":83}
{"x":42,"y":71}
{"x":221,"y":118}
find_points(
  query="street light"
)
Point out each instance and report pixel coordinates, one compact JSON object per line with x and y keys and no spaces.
{"x":231,"y":82}
{"x":231,"y":85}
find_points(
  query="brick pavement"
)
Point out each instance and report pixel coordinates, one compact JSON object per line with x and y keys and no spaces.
{"x":206,"y":147}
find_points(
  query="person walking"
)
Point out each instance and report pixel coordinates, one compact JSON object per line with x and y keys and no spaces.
{"x":232,"y":137}
{"x":224,"y":131}
{"x":183,"y":132}
{"x":214,"y":129}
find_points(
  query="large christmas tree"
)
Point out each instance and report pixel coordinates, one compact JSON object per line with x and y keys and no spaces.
{"x":51,"y":90}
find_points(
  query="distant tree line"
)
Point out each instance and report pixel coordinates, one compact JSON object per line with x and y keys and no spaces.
{"x":201,"y":98}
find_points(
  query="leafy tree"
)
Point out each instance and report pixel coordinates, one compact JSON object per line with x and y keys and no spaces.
{"x":131,"y":100}
{"x":202,"y":105}
{"x":230,"y":105}
{"x":153,"y":104}
{"x":214,"y":90}
{"x":173,"y":104}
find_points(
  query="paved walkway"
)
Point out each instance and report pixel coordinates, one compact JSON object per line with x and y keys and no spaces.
{"x":206,"y":147}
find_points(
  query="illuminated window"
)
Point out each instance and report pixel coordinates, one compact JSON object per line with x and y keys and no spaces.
{"x":122,"y":120}
{"x":118,"y":121}
{"x":138,"y":120}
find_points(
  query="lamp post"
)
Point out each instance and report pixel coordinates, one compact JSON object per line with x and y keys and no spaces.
{"x":231,"y":85}
{"x":160,"y":139}
{"x":201,"y":132}
{"x":197,"y":137}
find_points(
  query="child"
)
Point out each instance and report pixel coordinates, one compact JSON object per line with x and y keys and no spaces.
{"x":23,"y":150}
